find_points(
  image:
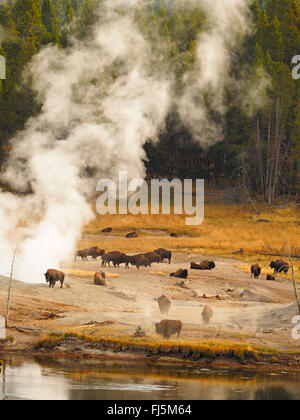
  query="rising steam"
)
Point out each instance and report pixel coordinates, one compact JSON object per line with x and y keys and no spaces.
{"x":101,"y":99}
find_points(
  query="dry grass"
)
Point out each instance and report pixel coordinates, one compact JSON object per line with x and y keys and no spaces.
{"x":226,"y":229}
{"x":210,"y":349}
{"x":87,"y":274}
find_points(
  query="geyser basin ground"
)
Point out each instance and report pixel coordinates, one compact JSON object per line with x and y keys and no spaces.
{"x":129,"y":301}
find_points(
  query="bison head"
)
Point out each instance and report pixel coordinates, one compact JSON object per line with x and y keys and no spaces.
{"x":273,"y":265}
{"x":212,"y":265}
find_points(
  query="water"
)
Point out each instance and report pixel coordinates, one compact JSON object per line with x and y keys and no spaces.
{"x":39,"y":379}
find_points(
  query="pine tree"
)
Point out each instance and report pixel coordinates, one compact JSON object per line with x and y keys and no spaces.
{"x":50,"y":21}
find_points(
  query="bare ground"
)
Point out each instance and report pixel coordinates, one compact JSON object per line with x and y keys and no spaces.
{"x":245,"y":310}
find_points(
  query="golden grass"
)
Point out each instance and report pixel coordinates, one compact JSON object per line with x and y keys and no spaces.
{"x":210,"y":348}
{"x":226,"y":229}
{"x":86,"y":274}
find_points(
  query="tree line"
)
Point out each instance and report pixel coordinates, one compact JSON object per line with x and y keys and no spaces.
{"x":260,"y":151}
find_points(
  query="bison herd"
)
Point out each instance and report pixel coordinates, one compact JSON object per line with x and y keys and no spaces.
{"x":279,"y":266}
{"x":165,"y":328}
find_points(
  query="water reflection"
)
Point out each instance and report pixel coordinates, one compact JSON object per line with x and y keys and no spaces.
{"x":50,"y":379}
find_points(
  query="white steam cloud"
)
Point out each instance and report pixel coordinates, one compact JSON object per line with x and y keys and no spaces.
{"x":102,"y":99}
{"x":228,"y":23}
{"x":90,"y":121}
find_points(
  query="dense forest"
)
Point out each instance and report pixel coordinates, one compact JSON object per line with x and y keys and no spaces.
{"x":259,"y":153}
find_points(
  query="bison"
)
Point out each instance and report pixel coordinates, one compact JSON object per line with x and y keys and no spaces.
{"x":205,"y":265}
{"x":207,"y":314}
{"x":270,"y":278}
{"x":153,"y":257}
{"x":164,"y":304}
{"x":182,"y":274}
{"x":165,"y":254}
{"x":96,"y":252}
{"x":83,"y":254}
{"x":167,"y":328}
{"x":132,"y":235}
{"x":99,"y":279}
{"x":115,"y":257}
{"x":52,"y":276}
{"x":255,"y":271}
{"x":138,"y":260}
{"x":280,"y":266}
{"x":107,"y":230}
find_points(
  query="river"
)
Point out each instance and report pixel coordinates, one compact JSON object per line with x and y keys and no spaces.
{"x":25,"y":378}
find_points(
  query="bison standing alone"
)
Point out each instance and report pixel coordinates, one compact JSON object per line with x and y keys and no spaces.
{"x":164,"y":304}
{"x":52,"y":276}
{"x":255,"y":271}
{"x":167,"y":328}
{"x":207,"y":314}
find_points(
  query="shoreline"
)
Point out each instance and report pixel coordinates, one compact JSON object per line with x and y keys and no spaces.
{"x":82,"y":348}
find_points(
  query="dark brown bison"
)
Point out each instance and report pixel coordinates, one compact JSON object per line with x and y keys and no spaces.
{"x":52,"y":276}
{"x":115,"y":257}
{"x":280,"y":266}
{"x":174,"y":235}
{"x":205,"y":265}
{"x":99,"y":279}
{"x":165,"y":254}
{"x":137,"y":260}
{"x":153,"y":257}
{"x":167,"y":328}
{"x":164,"y":304}
{"x":132,"y":235}
{"x":255,"y":271}
{"x":107,"y":230}
{"x":83,"y":254}
{"x":270,"y":278}
{"x":182,"y":274}
{"x":207,"y":314}
{"x":96,"y":252}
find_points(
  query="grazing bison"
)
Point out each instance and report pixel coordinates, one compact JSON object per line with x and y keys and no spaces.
{"x":83,"y":254}
{"x":205,"y":265}
{"x":165,"y":254}
{"x":167,"y":328}
{"x":132,"y":235}
{"x":52,"y":276}
{"x":96,"y":252}
{"x":280,"y":266}
{"x":115,"y":257}
{"x":270,"y":278}
{"x":107,"y":230}
{"x":207,"y":314}
{"x":164,"y":304}
{"x":153,"y":257}
{"x":138,"y":260}
{"x":182,"y":274}
{"x":99,"y":279}
{"x":255,"y":271}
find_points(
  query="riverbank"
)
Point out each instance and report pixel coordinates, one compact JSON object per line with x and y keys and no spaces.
{"x":251,"y":323}
{"x":216,"y":354}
